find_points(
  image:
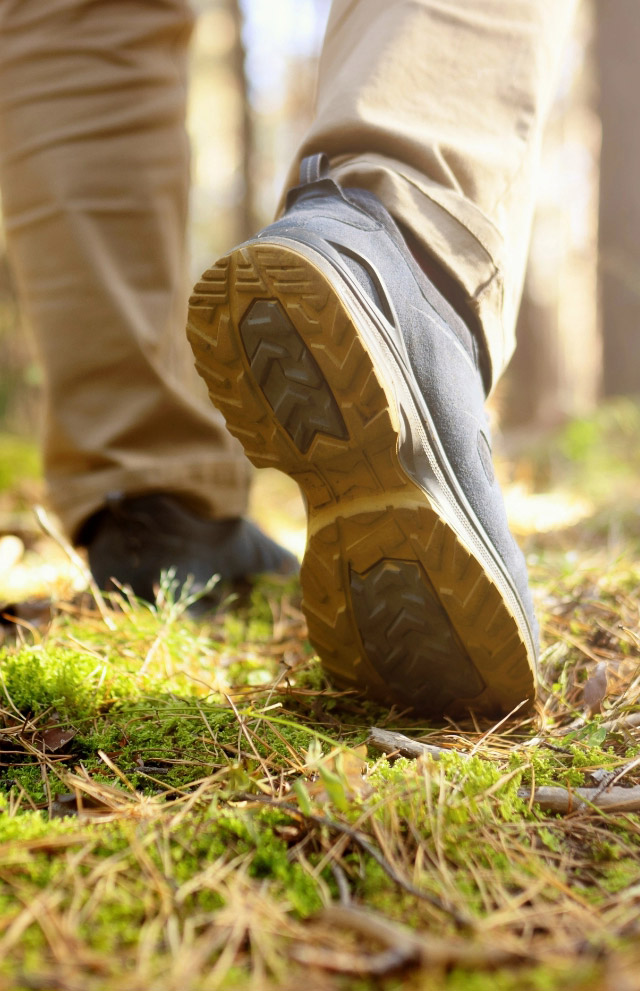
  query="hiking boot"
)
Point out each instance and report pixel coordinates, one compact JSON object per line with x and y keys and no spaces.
{"x":133,"y":539}
{"x":334,"y":359}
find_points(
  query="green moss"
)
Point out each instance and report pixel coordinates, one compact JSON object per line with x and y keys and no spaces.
{"x":68,"y":681}
{"x":566,"y":764}
{"x":543,"y":978}
{"x":620,"y":875}
{"x":150,"y":695}
{"x":30,"y":826}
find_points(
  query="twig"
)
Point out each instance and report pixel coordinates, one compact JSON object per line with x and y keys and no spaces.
{"x":622,"y":722}
{"x":402,"y":947}
{"x":556,"y":799}
{"x":610,"y":778}
{"x":396,"y":743}
{"x":338,"y":827}
{"x":52,"y":531}
{"x":630,"y":721}
{"x":550,"y":799}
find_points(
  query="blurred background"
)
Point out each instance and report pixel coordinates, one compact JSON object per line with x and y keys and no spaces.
{"x":253,"y":78}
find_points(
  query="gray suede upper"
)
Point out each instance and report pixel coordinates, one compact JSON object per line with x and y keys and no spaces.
{"x":361,"y":237}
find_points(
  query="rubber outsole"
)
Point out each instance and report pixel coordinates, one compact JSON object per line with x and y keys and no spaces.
{"x":396,"y":603}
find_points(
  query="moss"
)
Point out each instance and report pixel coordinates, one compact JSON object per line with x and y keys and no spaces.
{"x":543,"y":978}
{"x":69,"y":681}
{"x":620,"y":875}
{"x":469,"y":781}
{"x":30,"y":826}
{"x":134,"y":894}
{"x":568,"y":764}
{"x":550,"y":840}
{"x":150,"y":694}
{"x":27,"y":776}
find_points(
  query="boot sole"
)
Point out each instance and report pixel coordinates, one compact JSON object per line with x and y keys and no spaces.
{"x":399,"y":602}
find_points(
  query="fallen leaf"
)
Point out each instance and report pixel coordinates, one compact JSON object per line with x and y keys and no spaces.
{"x":595,"y":690}
{"x":56,"y":738}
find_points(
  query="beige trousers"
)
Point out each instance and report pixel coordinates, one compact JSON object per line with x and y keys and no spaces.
{"x":435,"y":105}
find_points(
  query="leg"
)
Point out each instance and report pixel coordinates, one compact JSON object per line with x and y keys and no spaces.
{"x":438,"y":107}
{"x":94,"y":170}
{"x":357,"y":376}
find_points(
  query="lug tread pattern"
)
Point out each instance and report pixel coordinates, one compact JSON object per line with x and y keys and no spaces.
{"x":344,"y":625}
{"x":405,"y":631}
{"x":381,"y":567}
{"x":288,"y":375}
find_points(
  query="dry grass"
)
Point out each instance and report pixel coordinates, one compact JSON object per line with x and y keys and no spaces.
{"x":192,"y":807}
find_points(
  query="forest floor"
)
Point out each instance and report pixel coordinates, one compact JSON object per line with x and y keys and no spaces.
{"x":188,"y":805}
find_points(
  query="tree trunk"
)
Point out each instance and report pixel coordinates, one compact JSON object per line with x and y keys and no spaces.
{"x":618,"y":44}
{"x":555,"y":373}
{"x":247,"y":222}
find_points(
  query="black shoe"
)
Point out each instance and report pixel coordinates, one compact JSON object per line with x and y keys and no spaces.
{"x":135,"y":538}
{"x":333,"y":358}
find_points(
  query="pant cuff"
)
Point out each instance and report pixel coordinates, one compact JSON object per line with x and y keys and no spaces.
{"x":219,"y":490}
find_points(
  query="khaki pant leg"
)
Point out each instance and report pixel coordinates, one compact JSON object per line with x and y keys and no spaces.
{"x":438,"y":107}
{"x":94,"y":171}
